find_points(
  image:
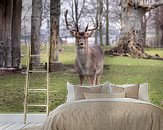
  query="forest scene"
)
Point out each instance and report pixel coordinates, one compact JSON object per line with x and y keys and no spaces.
{"x":41,"y":34}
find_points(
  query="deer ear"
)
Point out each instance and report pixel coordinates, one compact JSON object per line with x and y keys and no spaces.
{"x":74,"y":33}
{"x":88,"y":34}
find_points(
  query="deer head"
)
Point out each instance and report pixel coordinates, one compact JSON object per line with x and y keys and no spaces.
{"x":81,"y":37}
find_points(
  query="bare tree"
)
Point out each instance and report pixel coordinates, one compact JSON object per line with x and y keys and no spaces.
{"x":100,"y":16}
{"x":54,"y":28}
{"x":159,"y":26}
{"x":77,"y":8}
{"x":16,"y":33}
{"x":131,"y":39}
{"x":107,"y":22}
{"x":10,"y":27}
{"x":144,"y":27}
{"x":35,"y":30}
{"x":26,"y":21}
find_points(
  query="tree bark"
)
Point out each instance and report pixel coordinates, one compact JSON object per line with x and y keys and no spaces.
{"x":100,"y":13}
{"x":54,"y":28}
{"x":96,"y":31}
{"x":144,"y":24}
{"x":157,"y":31}
{"x":8,"y":28}
{"x":107,"y":22}
{"x":10,"y":23}
{"x":35,"y":30}
{"x":2,"y":19}
{"x":159,"y":26}
{"x":131,"y":38}
{"x":2,"y":32}
{"x":16,"y":33}
{"x":101,"y":33}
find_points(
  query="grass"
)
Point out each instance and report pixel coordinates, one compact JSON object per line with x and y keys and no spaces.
{"x":118,"y":70}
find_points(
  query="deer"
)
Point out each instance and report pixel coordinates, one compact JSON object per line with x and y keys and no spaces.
{"x":89,"y":58}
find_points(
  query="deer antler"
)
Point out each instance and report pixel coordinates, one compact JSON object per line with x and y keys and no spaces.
{"x":86,"y":29}
{"x":68,"y":24}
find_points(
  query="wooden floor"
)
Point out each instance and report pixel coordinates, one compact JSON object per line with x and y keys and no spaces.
{"x":18,"y":126}
{"x":15,"y":121}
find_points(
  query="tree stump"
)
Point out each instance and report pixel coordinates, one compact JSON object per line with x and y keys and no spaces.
{"x":129,"y":44}
{"x":132,"y":37}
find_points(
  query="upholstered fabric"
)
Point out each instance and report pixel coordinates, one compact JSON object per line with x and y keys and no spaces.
{"x":79,"y":91}
{"x":143,"y":92}
{"x":71,"y":93}
{"x":103,"y":95}
{"x":105,"y":114}
{"x":131,"y":91}
{"x":105,"y":88}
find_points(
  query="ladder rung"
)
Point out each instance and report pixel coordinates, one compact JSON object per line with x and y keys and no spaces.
{"x":36,"y":63}
{"x":38,"y":71}
{"x":44,"y":51}
{"x":34,"y":105}
{"x":35,"y":55}
{"x":37,"y":90}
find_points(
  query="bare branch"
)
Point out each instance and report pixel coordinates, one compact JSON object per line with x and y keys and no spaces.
{"x":94,"y":27}
{"x":149,"y":6}
{"x":155,"y":5}
{"x":68,"y":24}
{"x":81,"y":9}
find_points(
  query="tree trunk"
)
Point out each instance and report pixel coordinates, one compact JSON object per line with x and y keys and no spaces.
{"x":159,"y":26}
{"x":157,"y":31}
{"x":2,"y":32}
{"x":133,"y":19}
{"x":10,"y":23}
{"x":54,"y":28}
{"x":161,"y":42}
{"x":131,"y":38}
{"x":8,"y":28}
{"x":35,"y":30}
{"x":101,"y":34}
{"x":16,"y":33}
{"x":100,"y":10}
{"x":97,"y":30}
{"x":144,"y":24}
{"x":107,"y":22}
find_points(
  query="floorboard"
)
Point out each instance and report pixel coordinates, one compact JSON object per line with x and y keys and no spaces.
{"x":21,"y":126}
{"x":6,"y":125}
{"x":13,"y":126}
{"x":30,"y":125}
{"x":15,"y":121}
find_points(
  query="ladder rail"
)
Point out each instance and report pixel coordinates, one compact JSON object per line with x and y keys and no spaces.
{"x":27,"y":84}
{"x":27,"y":89}
{"x":47,"y":67}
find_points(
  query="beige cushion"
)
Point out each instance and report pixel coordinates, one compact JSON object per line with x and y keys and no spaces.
{"x":103,"y":95}
{"x":131,"y":91}
{"x":143,"y":92}
{"x":71,"y":90}
{"x":79,"y":91}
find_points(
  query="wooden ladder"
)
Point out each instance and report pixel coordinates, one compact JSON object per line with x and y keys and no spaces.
{"x":36,"y":90}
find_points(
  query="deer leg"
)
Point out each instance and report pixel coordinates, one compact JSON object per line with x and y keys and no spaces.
{"x":98,"y":77}
{"x":88,"y":80}
{"x":81,"y":78}
{"x":93,"y":79}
